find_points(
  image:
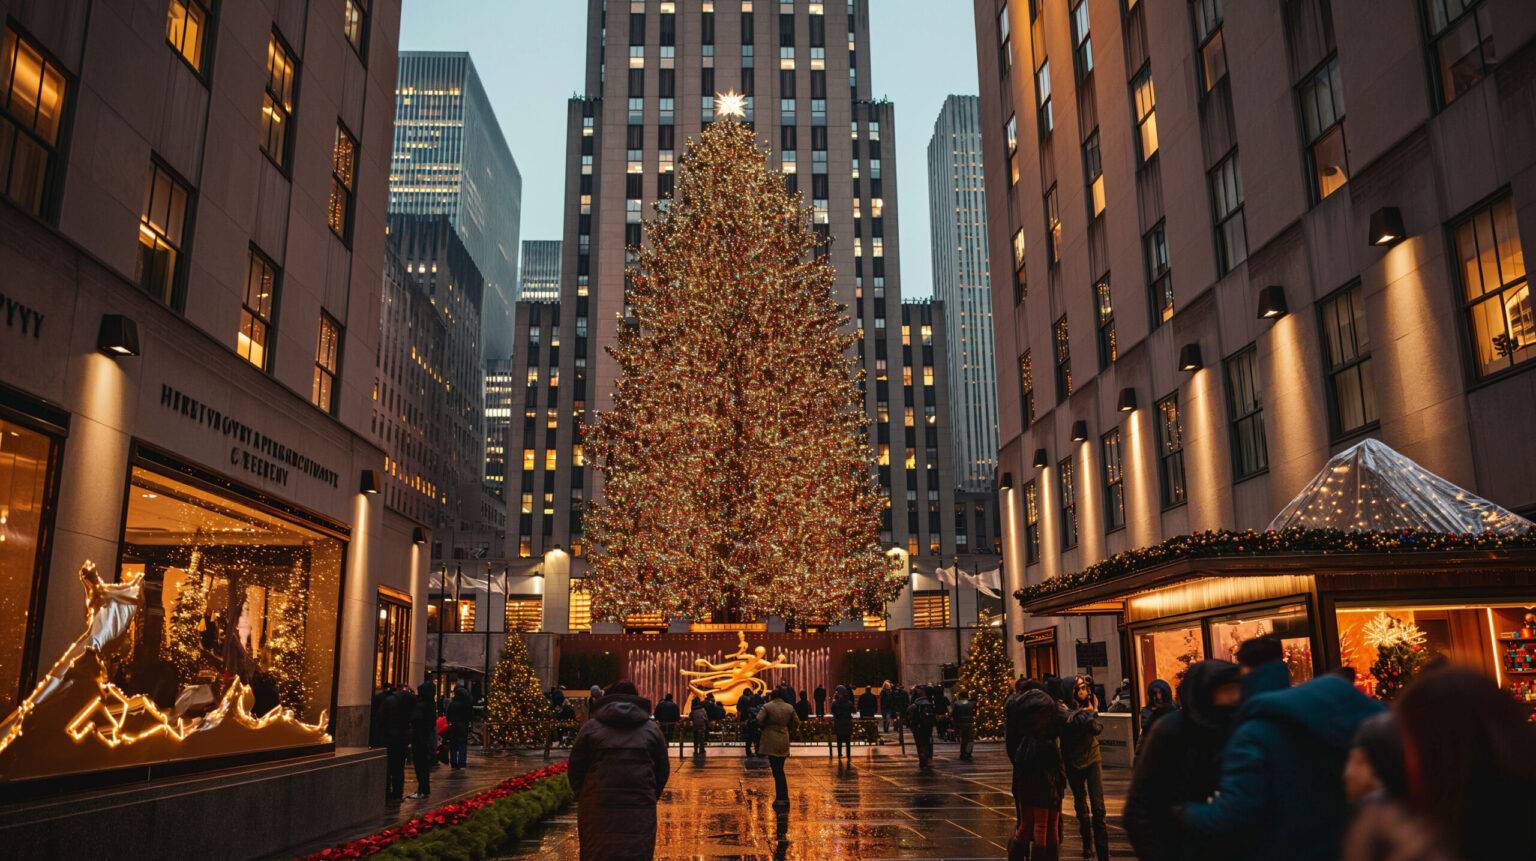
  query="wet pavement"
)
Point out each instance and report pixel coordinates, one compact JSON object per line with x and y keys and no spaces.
{"x":881,"y":806}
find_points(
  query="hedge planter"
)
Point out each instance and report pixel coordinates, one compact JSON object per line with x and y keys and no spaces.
{"x":469,"y":828}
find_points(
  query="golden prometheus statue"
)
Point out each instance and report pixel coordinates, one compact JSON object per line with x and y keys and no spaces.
{"x":733,"y":677}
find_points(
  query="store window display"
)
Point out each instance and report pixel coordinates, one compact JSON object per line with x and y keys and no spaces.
{"x":1287,"y":624}
{"x":1168,"y":653}
{"x":25,"y":458}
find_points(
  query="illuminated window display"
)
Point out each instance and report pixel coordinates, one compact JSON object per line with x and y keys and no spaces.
{"x":392,"y":640}
{"x":1388,"y":644}
{"x":25,"y":456}
{"x":1288,"y":624}
{"x":1168,"y":653}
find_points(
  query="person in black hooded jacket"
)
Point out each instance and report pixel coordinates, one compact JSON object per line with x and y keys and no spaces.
{"x":1035,"y":720}
{"x":424,"y":737}
{"x":1179,"y":761}
{"x":398,"y":708}
{"x":1159,"y":703}
{"x":618,"y":768}
{"x":1085,"y":769}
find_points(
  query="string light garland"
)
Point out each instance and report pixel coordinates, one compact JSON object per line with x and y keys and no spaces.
{"x":737,"y":472}
{"x":1288,"y":541}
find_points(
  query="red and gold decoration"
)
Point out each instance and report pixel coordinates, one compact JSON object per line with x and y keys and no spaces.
{"x":987,"y":675}
{"x":516,"y":709}
{"x":737,"y":471}
{"x":734,"y":676}
{"x":76,"y":720}
{"x":1400,"y":654}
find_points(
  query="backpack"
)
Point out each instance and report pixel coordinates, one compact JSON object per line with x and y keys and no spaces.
{"x":922,"y":716}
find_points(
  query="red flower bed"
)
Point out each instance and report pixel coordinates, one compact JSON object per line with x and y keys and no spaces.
{"x":438,"y":817}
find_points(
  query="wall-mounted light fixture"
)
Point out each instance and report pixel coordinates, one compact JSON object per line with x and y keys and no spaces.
{"x":369,"y":483}
{"x":1127,"y":401}
{"x":118,"y":336}
{"x":418,"y":536}
{"x":1080,"y":431}
{"x":1042,"y":460}
{"x":1272,"y":303}
{"x":1189,"y":358}
{"x":1387,"y":226}
{"x":1007,"y":482}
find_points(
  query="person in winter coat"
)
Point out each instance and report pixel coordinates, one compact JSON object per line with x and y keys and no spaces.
{"x":1375,"y":771}
{"x":868,"y":703}
{"x":963,"y":714}
{"x":842,"y":721}
{"x":618,"y":768}
{"x":461,"y":710}
{"x":886,"y":706}
{"x":778,"y":718}
{"x":803,"y":707}
{"x":376,"y":716}
{"x":1159,"y":702}
{"x":1471,"y":755}
{"x":424,"y":738}
{"x":1084,"y":764}
{"x":398,"y":708}
{"x":1281,"y":792}
{"x":820,"y":696}
{"x":746,"y":712}
{"x":699,"y":716}
{"x":716,"y":710}
{"x":900,"y":700}
{"x":921,"y":719}
{"x":667,"y":717}
{"x":1179,"y":761}
{"x":1035,"y":721}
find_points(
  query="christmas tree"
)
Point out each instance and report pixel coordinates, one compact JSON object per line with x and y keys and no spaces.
{"x":285,"y":645}
{"x":516,"y":710}
{"x":184,"y":646}
{"x":987,"y":675}
{"x":1400,"y":654}
{"x":736,"y":467}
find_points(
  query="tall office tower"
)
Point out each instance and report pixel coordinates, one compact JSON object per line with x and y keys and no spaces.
{"x":1211,"y":293}
{"x":451,"y":159}
{"x":498,"y":418}
{"x":540,"y":270}
{"x":653,"y":70}
{"x":958,"y":218}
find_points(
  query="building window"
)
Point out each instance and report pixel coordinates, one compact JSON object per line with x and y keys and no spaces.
{"x":1027,"y":388}
{"x":1063,"y":360}
{"x":1460,"y":45}
{"x":277,"y":102}
{"x":28,"y":461}
{"x":343,"y":174}
{"x":1144,"y":98}
{"x":1154,"y":249}
{"x":1227,"y":213}
{"x":1012,"y":131}
{"x":1031,"y":523}
{"x":1322,"y":120}
{"x":161,"y":226}
{"x":327,"y":352}
{"x":1497,"y":294}
{"x":392,"y":641}
{"x":1114,"y":481}
{"x":1093,"y":173}
{"x":355,"y":24}
{"x":1004,"y":42}
{"x":1213,"y":50}
{"x":1068,"y":505}
{"x":524,"y":613}
{"x":32,"y":93}
{"x":1245,"y":411}
{"x":186,"y":29}
{"x":1043,"y":96}
{"x":930,"y":608}
{"x":1170,"y":451}
{"x":256,"y":311}
{"x":463,"y":615}
{"x":579,"y":618}
{"x":1347,"y":356}
{"x":1106,"y":317}
{"x":1052,"y":226}
{"x":1082,"y":41}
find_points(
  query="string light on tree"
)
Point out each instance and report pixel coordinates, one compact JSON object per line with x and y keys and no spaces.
{"x":987,"y":675}
{"x":516,"y":710}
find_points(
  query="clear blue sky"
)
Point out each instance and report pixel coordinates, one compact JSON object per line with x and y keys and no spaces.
{"x":530,"y":52}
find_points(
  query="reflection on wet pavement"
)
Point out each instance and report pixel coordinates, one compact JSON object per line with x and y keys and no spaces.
{"x":879,"y":807}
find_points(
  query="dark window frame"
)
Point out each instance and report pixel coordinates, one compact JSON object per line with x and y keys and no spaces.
{"x":1170,"y":454}
{"x":1031,"y":494}
{"x":1066,"y":492}
{"x":1359,"y":364}
{"x":1485,"y":209}
{"x":1245,"y":413}
{"x":1114,"y":480}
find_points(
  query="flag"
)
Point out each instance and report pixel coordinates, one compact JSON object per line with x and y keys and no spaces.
{"x":979,"y":583}
{"x":946,"y":575}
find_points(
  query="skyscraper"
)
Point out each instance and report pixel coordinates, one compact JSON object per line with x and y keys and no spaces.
{"x":540,"y":271}
{"x":653,"y":72}
{"x":451,"y":159}
{"x":961,"y":280}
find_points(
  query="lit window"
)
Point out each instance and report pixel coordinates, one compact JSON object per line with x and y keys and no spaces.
{"x":525,"y":613}
{"x":1322,"y":116}
{"x":1170,"y":451}
{"x":1460,"y":45}
{"x":343,"y":173}
{"x":1093,"y":170}
{"x":1491,"y":267}
{"x":1063,"y":361}
{"x":1052,"y":226}
{"x":1027,"y":388}
{"x":1114,"y":482}
{"x":277,"y":102}
{"x":355,"y":23}
{"x":1213,"y":50}
{"x":160,"y":234}
{"x":1145,"y":97}
{"x":256,"y":311}
{"x":1154,"y":247}
{"x":1068,"y":495}
{"x":186,"y":29}
{"x":32,"y":93}
{"x":528,"y":460}
{"x":551,"y":460}
{"x":1031,"y":523}
{"x":1105,"y":312}
{"x":327,"y":353}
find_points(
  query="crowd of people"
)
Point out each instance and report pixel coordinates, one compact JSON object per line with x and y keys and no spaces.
{"x":1241,"y":764}
{"x":413,"y":725}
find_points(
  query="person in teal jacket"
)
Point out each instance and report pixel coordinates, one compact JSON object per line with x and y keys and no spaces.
{"x":1281,"y":794}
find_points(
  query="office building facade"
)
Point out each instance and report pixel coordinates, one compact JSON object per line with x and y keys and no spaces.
{"x":540,"y":271}
{"x":962,"y":281}
{"x":1217,"y":276}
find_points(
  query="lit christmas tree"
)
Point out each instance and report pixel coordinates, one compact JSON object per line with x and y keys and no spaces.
{"x":184,"y":646}
{"x":285,"y":645}
{"x":987,"y":675}
{"x":735,"y":457}
{"x":1400,"y":654}
{"x":516,"y":710}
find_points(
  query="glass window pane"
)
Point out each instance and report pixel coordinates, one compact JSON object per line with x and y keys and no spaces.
{"x":1169,"y":654}
{"x":1507,"y":234}
{"x":1329,"y":163}
{"x":24,"y":460}
{"x":1466,"y":255}
{"x":1289,"y":625}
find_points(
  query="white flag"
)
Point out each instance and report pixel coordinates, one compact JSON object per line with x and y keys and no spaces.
{"x":979,"y":583}
{"x":945,"y":575}
{"x":993,"y":578}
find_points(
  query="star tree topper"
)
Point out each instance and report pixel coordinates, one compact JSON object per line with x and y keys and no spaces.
{"x":730,"y":104}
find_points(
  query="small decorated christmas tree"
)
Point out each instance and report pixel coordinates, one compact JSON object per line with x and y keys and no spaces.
{"x":516,"y":710}
{"x":184,"y":648}
{"x":286,"y":643}
{"x":1400,"y":654}
{"x":987,"y":675}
